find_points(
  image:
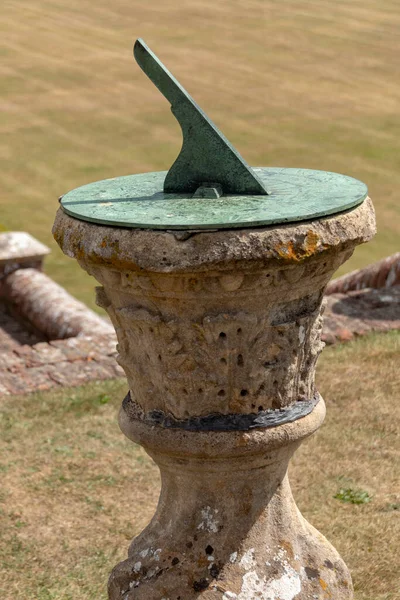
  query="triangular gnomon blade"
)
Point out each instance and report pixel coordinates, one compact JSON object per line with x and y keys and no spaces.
{"x":206,"y":154}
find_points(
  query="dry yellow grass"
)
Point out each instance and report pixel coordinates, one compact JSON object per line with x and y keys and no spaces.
{"x":296,"y":83}
{"x":75,"y":491}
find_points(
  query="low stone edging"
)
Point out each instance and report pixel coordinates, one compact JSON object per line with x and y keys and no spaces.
{"x":360,"y":312}
{"x":69,"y":362}
{"x":383,"y":274}
{"x":48,"y":306}
{"x":78,"y":345}
{"x":363,"y":301}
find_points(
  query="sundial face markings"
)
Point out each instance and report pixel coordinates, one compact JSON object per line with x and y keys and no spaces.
{"x":136,"y":201}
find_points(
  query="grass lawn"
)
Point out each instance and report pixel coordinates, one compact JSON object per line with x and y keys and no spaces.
{"x":297,"y":83}
{"x":75,"y":491}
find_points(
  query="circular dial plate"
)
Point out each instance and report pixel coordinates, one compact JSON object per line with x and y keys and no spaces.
{"x":138,"y":201}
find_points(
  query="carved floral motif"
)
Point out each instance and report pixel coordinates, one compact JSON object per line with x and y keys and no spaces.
{"x":224,"y":363}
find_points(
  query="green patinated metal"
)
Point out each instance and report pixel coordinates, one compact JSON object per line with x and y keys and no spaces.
{"x":209,"y":186}
{"x":206,"y":154}
{"x":139,"y":201}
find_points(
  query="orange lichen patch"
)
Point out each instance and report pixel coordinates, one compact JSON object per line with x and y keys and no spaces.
{"x":80,"y":252}
{"x":299,"y":250}
{"x":325,"y":587}
{"x":286,"y":251}
{"x":311,"y":242}
{"x":323,"y":584}
{"x":58,"y":235}
{"x":107,"y":253}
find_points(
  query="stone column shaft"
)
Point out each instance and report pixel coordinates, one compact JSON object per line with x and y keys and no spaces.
{"x":219,"y":334}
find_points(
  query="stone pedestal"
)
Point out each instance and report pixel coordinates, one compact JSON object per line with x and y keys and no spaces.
{"x":218,"y":334}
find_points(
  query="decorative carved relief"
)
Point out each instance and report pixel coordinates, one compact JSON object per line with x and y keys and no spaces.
{"x":224,"y":363}
{"x":185,"y":285}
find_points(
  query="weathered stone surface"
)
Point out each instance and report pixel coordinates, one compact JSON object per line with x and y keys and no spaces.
{"x":18,"y":247}
{"x":28,"y":355}
{"x":225,"y":323}
{"x":382,"y":274}
{"x":10,"y":361}
{"x":34,"y":309}
{"x":35,"y":379}
{"x":48,"y":307}
{"x":74,"y":361}
{"x":78,"y":373}
{"x":19,"y":250}
{"x":163,"y":252}
{"x":360,"y":312}
{"x":15,"y":332}
{"x":44,"y":354}
{"x":227,"y":526}
{"x":238,"y":332}
{"x":13,"y":383}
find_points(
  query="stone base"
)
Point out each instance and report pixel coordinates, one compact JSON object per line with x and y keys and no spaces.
{"x":226,"y":526}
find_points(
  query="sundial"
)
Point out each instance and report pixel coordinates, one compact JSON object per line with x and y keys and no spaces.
{"x":209,"y":186}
